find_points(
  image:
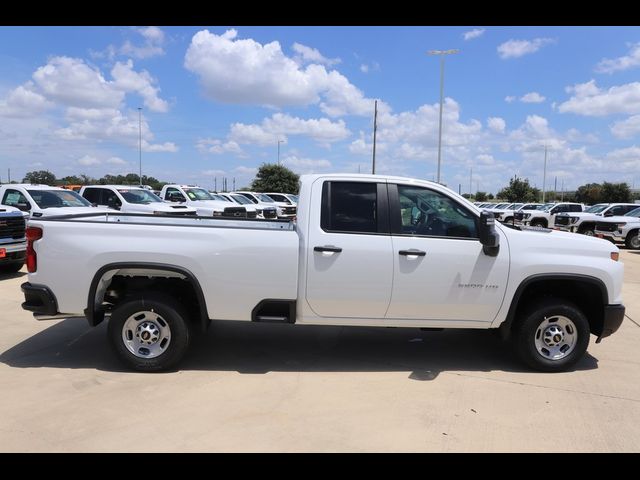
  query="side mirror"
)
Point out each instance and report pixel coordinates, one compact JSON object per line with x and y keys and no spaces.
{"x":553,"y":211}
{"x":113,"y":203}
{"x":489,"y":237}
{"x":608,"y":214}
{"x":25,"y":207}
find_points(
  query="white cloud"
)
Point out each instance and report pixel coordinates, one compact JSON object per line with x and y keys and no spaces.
{"x":243,"y":71}
{"x":518,"y":48}
{"x":364,"y":68}
{"x":88,"y":160}
{"x":610,"y":65}
{"x":627,"y":128}
{"x":214,"y":173}
{"x":590,"y":100}
{"x":153,"y":40}
{"x":306,"y":165}
{"x":475,"y":33}
{"x":496,"y":124}
{"x":532,"y":97}
{"x":246,"y":170}
{"x":213,"y":145}
{"x":116,"y":161}
{"x":128,"y":80}
{"x":24,"y":102}
{"x":509,"y":98}
{"x":159,"y":147}
{"x":279,"y":125}
{"x":312,"y":55}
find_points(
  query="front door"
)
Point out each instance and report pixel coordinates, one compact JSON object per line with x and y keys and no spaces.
{"x":349,"y":259}
{"x":440,"y":270}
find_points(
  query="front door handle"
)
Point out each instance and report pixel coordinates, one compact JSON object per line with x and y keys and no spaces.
{"x":413,"y":251}
{"x":327,"y":248}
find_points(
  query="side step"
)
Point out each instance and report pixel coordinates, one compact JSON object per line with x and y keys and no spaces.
{"x":274,"y":311}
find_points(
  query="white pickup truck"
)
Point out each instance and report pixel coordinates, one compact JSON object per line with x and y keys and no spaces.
{"x":132,"y":199}
{"x":204,"y":203}
{"x":13,"y":243}
{"x":585,"y":222}
{"x":624,"y":228}
{"x":366,"y":250}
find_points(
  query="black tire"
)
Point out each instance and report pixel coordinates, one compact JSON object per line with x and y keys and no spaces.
{"x":633,"y":240}
{"x":588,"y":230}
{"x":11,"y":267}
{"x":171,"y":312}
{"x":539,"y":223}
{"x":526,"y":329}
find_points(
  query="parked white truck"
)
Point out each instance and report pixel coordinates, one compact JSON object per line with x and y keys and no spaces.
{"x":624,"y":229}
{"x":13,"y":244}
{"x":132,"y":199}
{"x":366,"y":250}
{"x":43,"y":200}
{"x":585,"y":222}
{"x":203,"y":202}
{"x":546,"y":215}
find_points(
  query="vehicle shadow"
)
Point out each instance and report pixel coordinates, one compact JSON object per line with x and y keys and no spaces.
{"x":261,"y":348}
{"x":8,"y":276}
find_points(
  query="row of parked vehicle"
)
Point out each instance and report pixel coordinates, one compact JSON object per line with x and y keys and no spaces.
{"x":19,"y":202}
{"x":617,"y":222}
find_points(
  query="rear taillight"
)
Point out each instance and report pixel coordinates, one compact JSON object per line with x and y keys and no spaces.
{"x":33,"y":234}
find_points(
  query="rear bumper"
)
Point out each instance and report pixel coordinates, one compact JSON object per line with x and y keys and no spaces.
{"x":39,"y":299}
{"x":613,"y":316}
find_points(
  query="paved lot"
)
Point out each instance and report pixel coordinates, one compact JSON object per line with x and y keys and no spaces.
{"x":248,"y":387}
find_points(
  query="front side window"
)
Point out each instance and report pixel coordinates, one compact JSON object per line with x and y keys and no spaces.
{"x":431,"y":213}
{"x":279,"y":198}
{"x":13,"y":198}
{"x":197,"y":194}
{"x":111,"y":199}
{"x":92,"y":195}
{"x":349,"y":207}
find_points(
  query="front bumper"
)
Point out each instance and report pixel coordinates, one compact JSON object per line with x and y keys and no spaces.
{"x":613,"y":316}
{"x":611,"y":236}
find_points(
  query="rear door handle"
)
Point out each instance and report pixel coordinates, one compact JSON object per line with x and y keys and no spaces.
{"x":327,"y":248}
{"x":413,"y":251}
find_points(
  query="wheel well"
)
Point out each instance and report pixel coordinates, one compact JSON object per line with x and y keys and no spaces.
{"x":587,"y":226}
{"x":111,"y":286}
{"x":588,"y":294}
{"x":540,"y":220}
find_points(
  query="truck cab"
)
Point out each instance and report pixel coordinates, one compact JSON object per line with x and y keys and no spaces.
{"x":132,"y":199}
{"x":42,"y":200}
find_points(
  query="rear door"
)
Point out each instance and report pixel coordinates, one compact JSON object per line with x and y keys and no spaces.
{"x":349,"y":258}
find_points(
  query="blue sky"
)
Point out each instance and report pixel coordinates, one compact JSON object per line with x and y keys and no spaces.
{"x":216,"y":100}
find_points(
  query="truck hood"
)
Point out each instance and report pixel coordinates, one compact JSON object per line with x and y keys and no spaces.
{"x":159,"y":207}
{"x":558,"y":242}
{"x":215,"y":204}
{"x":53,"y":211}
{"x":620,"y":219}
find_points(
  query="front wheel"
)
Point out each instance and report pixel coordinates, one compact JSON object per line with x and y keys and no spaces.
{"x":149,"y":333}
{"x":552,"y":335}
{"x":538,"y":223}
{"x":633,"y":240}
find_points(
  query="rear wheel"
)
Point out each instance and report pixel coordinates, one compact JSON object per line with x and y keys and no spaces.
{"x":633,"y":240}
{"x":149,"y":333}
{"x":552,"y":335}
{"x":538,"y":223}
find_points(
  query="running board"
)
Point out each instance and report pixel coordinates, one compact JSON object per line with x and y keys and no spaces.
{"x":270,"y":319}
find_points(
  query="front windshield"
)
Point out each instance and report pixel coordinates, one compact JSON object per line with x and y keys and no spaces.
{"x":596,"y":208}
{"x":139,"y":196}
{"x":216,"y":196}
{"x":264,"y":198}
{"x":547,"y":206}
{"x":198,"y":194}
{"x":501,"y":206}
{"x":634,"y":213}
{"x":58,"y":198}
{"x":295,"y":198}
{"x":279,"y":198}
{"x":241,"y":199}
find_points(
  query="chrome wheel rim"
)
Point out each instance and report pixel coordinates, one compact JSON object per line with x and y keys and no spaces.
{"x":146,"y":334}
{"x":635,"y":241}
{"x":556,"y":337}
{"x":589,"y":233}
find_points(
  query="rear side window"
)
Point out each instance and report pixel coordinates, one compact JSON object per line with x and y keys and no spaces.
{"x":575,"y":208}
{"x":92,"y":195}
{"x":349,"y":207}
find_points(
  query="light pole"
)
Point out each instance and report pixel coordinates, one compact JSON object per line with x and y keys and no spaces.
{"x":140,"y":141}
{"x":442,"y":53}
{"x":544,"y":174}
{"x":279,"y":142}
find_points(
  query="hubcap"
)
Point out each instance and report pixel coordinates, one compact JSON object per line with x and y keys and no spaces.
{"x":588,"y":233}
{"x":635,"y":241}
{"x":556,"y":337}
{"x":146,"y":334}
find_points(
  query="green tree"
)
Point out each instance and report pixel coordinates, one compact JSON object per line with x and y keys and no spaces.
{"x":490,"y":196}
{"x":615,"y":192}
{"x":590,"y":193}
{"x":519,"y":191}
{"x":40,"y":176}
{"x":481,"y":196}
{"x":275,"y":178}
{"x":70,"y":180}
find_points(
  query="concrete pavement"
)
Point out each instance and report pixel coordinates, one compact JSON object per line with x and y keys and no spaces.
{"x":254,"y":387}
